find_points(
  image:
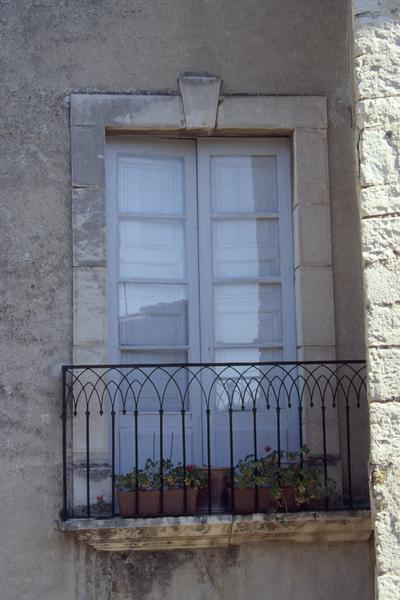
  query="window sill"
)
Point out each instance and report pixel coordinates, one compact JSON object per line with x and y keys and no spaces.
{"x":169,"y":533}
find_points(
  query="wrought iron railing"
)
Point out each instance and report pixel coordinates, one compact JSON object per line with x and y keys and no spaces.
{"x":148,"y":440}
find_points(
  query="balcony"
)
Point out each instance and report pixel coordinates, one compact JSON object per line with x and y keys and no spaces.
{"x":213,"y":443}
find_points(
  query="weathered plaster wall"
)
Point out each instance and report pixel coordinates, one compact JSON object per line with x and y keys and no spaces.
{"x":377,"y":81}
{"x":48,"y":50}
{"x":304,"y":572}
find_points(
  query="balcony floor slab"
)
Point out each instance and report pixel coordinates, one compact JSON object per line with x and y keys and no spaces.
{"x":204,"y":531}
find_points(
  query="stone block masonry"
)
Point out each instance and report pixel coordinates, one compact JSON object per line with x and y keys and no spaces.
{"x":377,"y":88}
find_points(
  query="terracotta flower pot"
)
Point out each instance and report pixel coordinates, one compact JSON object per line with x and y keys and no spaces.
{"x":288,"y":501}
{"x":174,"y":501}
{"x":127,"y":503}
{"x":246,"y":500}
{"x":149,"y":502}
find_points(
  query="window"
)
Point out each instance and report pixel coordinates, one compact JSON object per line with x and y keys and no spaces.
{"x":97,"y":274}
{"x":200,"y":267}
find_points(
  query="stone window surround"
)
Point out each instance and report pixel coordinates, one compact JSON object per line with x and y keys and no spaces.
{"x":303,"y":118}
{"x":201,"y":110}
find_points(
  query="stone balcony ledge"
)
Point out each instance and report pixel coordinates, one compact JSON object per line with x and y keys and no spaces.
{"x":208,"y":531}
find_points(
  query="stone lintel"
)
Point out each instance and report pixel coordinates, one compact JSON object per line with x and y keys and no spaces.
{"x":274,"y":113}
{"x":141,"y":111}
{"x":201,"y":108}
{"x":169,"y":533}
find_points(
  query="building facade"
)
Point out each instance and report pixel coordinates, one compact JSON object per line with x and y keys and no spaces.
{"x":194,"y":183}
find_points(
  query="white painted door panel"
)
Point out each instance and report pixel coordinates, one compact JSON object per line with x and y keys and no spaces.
{"x":153,"y":308}
{"x":246,"y":281}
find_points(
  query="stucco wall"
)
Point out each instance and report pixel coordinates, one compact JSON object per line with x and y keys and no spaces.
{"x":377,"y":82}
{"x":303,"y":572}
{"x":48,"y":50}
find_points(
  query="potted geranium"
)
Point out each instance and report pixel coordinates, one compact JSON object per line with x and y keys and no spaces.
{"x":255,"y":487}
{"x":183,"y":481}
{"x":126,"y":493}
{"x":149,"y":487}
{"x":299,"y":479}
{"x":311,"y":489}
{"x":140,"y":494}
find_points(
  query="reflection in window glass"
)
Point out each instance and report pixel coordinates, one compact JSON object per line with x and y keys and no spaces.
{"x":248,"y":313}
{"x":152,"y":314}
{"x":246,"y":248}
{"x":243,"y":183}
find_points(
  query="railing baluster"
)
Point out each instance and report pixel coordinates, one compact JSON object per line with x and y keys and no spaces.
{"x":209,"y":483}
{"x":300,"y":412}
{"x":64,"y":514}
{"x":255,"y":453}
{"x":349,"y":482}
{"x":278,"y":431}
{"x":113,"y":462}
{"x":135,"y":416}
{"x":323,"y":410}
{"x":185,"y":508}
{"x":231,"y":457}
{"x":161,"y":462}
{"x":88,"y":512}
{"x":301,"y":433}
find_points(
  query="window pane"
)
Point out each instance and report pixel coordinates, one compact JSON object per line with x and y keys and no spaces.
{"x":246,"y":248}
{"x":252,"y":355}
{"x":151,"y":185}
{"x":247,"y":313}
{"x":152,"y":249}
{"x":152,"y":314}
{"x":243,"y":183}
